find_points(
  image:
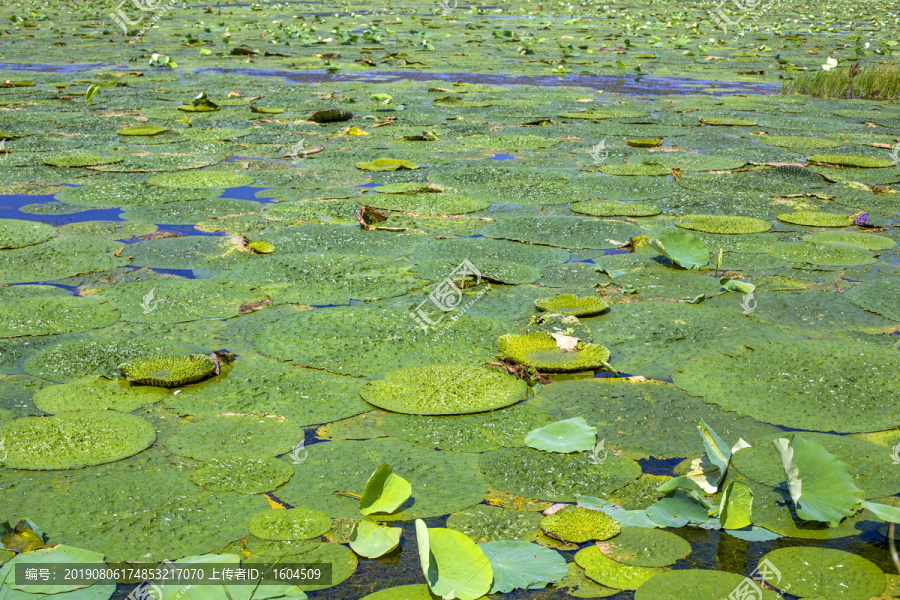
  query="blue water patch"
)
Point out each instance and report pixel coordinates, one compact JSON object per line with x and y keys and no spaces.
{"x":502,"y":157}
{"x":186,"y":273}
{"x":246,"y":192}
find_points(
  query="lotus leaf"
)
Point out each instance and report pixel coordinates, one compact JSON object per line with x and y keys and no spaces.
{"x":577,"y":584}
{"x":81,"y":160}
{"x":570,"y":304}
{"x":684,"y":249}
{"x":772,"y":509}
{"x":141,"y":130}
{"x":338,"y":239}
{"x":59,"y":258}
{"x":42,"y":316}
{"x":817,"y":572}
{"x":797,"y":141}
{"x":385,"y":492}
{"x":579,"y":525}
{"x":451,"y":480}
{"x":866,"y":240}
{"x":736,"y":506}
{"x":540,"y":351}
{"x":458,"y":250}
{"x":558,"y":477}
{"x":610,"y":573}
{"x":849,"y":160}
{"x":371,"y":541}
{"x":785,"y":370}
{"x":643,"y":547}
{"x":73,"y":439}
{"x":242,"y":474}
{"x":15,"y":233}
{"x":610,"y":208}
{"x":523,"y":565}
{"x":116,"y":193}
{"x":678,"y":508}
{"x":446,"y":203}
{"x":811,"y":218}
{"x":698,"y":584}
{"x":492,"y":270}
{"x":97,"y":393}
{"x":723,"y":225}
{"x":194,"y":180}
{"x":878,"y":297}
{"x":168,"y":371}
{"x":291,"y":524}
{"x":405,"y":592}
{"x":62,"y":555}
{"x":261,"y":247}
{"x":639,"y":169}
{"x":179,"y":252}
{"x":248,"y":435}
{"x":445,"y":390}
{"x":387,"y":164}
{"x":562,"y":231}
{"x":454,"y":566}
{"x":485,"y":523}
{"x":571,"y":435}
{"x":835,"y":255}
{"x":189,"y":212}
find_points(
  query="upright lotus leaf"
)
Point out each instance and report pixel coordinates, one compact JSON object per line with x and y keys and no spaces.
{"x":610,"y":573}
{"x":385,"y":492}
{"x":292,"y":524}
{"x":684,"y":249}
{"x":883,"y":511}
{"x":717,"y":450}
{"x":571,"y":435}
{"x":168,"y":371}
{"x":736,"y":285}
{"x":820,"y":486}
{"x":371,"y":540}
{"x":541,"y":351}
{"x":454,"y":566}
{"x":685,"y":484}
{"x":822,"y":572}
{"x":73,"y":439}
{"x":737,"y":502}
{"x":645,"y":547}
{"x":523,"y":565}
{"x":578,"y":525}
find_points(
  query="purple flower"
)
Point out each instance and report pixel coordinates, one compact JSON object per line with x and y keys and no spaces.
{"x":861,"y":220}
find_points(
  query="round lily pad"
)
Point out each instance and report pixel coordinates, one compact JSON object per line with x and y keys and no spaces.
{"x":849,"y":160}
{"x":810,"y":396}
{"x":570,"y":304}
{"x":866,"y":240}
{"x":812,"y":218}
{"x":541,"y":351}
{"x":387,"y":164}
{"x":645,"y":547}
{"x":428,"y":203}
{"x":558,"y":477}
{"x":97,"y":393}
{"x":797,"y":141}
{"x":371,"y":540}
{"x":563,"y":231}
{"x":118,"y":193}
{"x":243,"y":475}
{"x":610,"y":208}
{"x":723,"y":224}
{"x":878,"y":297}
{"x":485,"y":523}
{"x":141,"y":130}
{"x":81,"y":160}
{"x":611,"y":573}
{"x":59,"y":258}
{"x":820,"y":572}
{"x":75,"y":439}
{"x":835,"y":255}
{"x":698,"y":584}
{"x":523,"y":565}
{"x":291,"y":524}
{"x":248,"y":435}
{"x":445,"y":390}
{"x":579,"y":525}
{"x":194,"y":180}
{"x":577,"y":584}
{"x":15,"y":233}
{"x":58,"y":314}
{"x":168,"y":371}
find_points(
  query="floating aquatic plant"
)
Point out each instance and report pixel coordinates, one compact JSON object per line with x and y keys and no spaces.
{"x":168,"y":371}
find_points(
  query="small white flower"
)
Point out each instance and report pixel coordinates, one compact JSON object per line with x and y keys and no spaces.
{"x":830,"y":64}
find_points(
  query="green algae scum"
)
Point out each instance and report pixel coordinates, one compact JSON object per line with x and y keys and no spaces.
{"x":538,"y":300}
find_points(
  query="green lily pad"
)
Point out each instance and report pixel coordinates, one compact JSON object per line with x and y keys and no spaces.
{"x":195,"y":180}
{"x":56,"y":555}
{"x":849,"y":160}
{"x":879,"y":297}
{"x":242,"y":474}
{"x":540,"y":351}
{"x":385,"y":492}
{"x":141,"y":130}
{"x":117,"y":193}
{"x":639,"y":169}
{"x":445,"y":390}
{"x":558,"y":477}
{"x":785,"y":369}
{"x":563,"y":231}
{"x":418,"y":591}
{"x":290,"y":524}
{"x":723,"y":225}
{"x":737,"y":503}
{"x":74,"y":439}
{"x":331,"y":115}
{"x":816,"y":219}
{"x":576,"y":583}
{"x":387,"y":164}
{"x":248,"y":435}
{"x":644,"y":547}
{"x":168,"y":371}
{"x":820,"y":572}
{"x":458,"y":250}
{"x":699,"y":584}
{"x":798,"y":141}
{"x":371,"y":541}
{"x":43,"y":316}
{"x":866,"y":240}
{"x":96,"y":393}
{"x":579,"y":525}
{"x":452,"y":563}
{"x":676,"y":509}
{"x":523,"y":565}
{"x":81,"y":160}
{"x":485,"y":523}
{"x":15,"y":233}
{"x":834,"y":255}
{"x":59,"y":258}
{"x":610,"y":208}
{"x":446,"y":203}
{"x":684,"y":249}
{"x":571,"y":435}
{"x":570,"y":304}
{"x":610,"y":573}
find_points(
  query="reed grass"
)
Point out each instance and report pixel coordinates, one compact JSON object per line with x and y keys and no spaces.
{"x":871,"y":81}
